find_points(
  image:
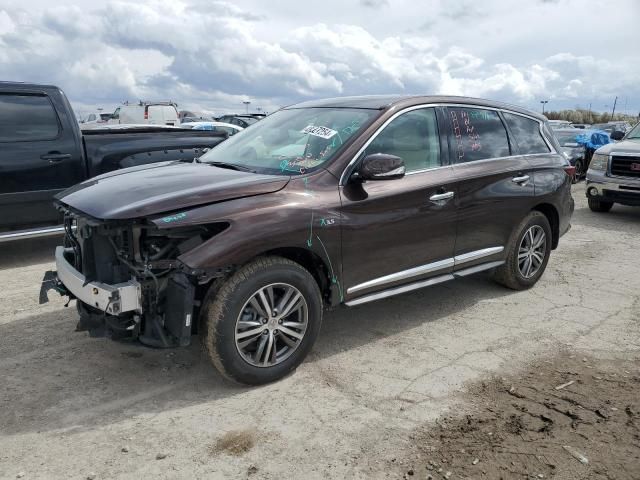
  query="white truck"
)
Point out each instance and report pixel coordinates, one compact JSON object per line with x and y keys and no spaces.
{"x":614,"y":173}
{"x":151,"y":113}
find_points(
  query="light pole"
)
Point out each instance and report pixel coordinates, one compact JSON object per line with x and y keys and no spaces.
{"x":543,"y":102}
{"x":246,"y":104}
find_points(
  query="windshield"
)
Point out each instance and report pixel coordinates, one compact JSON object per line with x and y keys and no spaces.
{"x":634,"y":133}
{"x":293,"y":141}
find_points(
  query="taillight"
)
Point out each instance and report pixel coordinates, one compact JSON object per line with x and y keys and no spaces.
{"x":570,"y":171}
{"x":146,"y":113}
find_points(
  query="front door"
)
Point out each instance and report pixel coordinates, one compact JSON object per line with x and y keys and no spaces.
{"x":400,"y":231}
{"x":38,"y":158}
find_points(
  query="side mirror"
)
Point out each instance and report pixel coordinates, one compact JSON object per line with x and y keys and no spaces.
{"x":617,"y":135}
{"x":380,"y":166}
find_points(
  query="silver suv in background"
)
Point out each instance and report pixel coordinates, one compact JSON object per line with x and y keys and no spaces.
{"x":614,"y":174}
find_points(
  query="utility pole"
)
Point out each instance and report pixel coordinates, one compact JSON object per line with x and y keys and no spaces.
{"x":543,"y":102}
{"x":590,"y":117}
{"x":613,"y":112}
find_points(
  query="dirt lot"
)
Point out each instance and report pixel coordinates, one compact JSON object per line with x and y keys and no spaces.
{"x":366,"y":402}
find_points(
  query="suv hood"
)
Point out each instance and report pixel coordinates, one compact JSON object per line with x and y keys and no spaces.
{"x":623,"y":146}
{"x":163,"y":187}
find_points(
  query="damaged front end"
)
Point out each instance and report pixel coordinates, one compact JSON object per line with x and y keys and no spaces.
{"x":128,"y":280}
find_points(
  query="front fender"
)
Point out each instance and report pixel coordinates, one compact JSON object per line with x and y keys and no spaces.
{"x":299,"y":216}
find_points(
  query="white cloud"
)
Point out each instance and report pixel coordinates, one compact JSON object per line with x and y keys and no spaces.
{"x":216,"y":54}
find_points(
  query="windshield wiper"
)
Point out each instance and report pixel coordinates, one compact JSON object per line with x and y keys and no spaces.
{"x":232,"y":166}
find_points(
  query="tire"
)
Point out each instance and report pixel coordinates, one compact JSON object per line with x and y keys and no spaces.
{"x":229,"y":305}
{"x":579,"y":171}
{"x":599,"y":205}
{"x":510,"y":274}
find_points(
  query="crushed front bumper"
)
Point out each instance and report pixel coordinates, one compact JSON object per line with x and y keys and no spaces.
{"x":112,"y":299}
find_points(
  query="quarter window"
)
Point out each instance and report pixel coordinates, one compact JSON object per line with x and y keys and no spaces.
{"x":527,"y":134}
{"x":27,"y":118}
{"x":413,"y":136}
{"x":476,"y":134}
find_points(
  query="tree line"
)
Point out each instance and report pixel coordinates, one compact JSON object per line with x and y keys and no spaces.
{"x":580,"y":115}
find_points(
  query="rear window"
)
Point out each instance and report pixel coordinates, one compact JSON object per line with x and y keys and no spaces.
{"x":527,"y":134}
{"x":476,"y":134}
{"x":27,"y":118}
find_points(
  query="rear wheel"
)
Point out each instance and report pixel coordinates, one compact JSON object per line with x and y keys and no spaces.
{"x":262,"y":322}
{"x":599,"y":206}
{"x":527,"y":253}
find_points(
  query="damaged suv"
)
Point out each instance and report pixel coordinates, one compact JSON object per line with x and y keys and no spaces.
{"x":339,"y":201}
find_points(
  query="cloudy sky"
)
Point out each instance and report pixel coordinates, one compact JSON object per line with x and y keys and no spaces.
{"x":212,"y":54}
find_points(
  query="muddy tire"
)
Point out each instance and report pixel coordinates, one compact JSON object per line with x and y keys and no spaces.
{"x":261,"y":323}
{"x":527,"y":253}
{"x":599,"y":206}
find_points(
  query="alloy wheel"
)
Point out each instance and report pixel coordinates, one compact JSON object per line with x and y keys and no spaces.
{"x":533,"y":248}
{"x":271,"y":325}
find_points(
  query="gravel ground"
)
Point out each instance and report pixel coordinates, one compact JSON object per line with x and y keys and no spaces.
{"x":75,"y":407}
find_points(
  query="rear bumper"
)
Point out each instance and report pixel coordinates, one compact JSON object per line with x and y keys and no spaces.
{"x":613,"y":189}
{"x":112,"y":299}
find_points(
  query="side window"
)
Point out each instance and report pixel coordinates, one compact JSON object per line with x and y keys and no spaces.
{"x":476,"y":134}
{"x":27,"y":118}
{"x":116,"y":114}
{"x":412,"y":136}
{"x":527,"y":134}
{"x":91,"y":117}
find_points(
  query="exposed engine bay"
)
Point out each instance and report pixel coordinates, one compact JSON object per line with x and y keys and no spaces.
{"x":136,"y":257}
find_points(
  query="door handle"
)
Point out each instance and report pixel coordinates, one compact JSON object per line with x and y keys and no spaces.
{"x":441,"y":196}
{"x":520,"y":180}
{"x":55,"y":157}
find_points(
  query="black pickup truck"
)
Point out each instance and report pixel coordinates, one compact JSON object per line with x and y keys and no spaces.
{"x":43,"y":151}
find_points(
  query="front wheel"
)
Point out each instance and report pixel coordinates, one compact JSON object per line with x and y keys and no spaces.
{"x":262,"y":322}
{"x":527,"y":253}
{"x":599,"y":206}
{"x":579,"y":171}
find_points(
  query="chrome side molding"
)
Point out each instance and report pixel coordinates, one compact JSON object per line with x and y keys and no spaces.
{"x":469,"y":257}
{"x":399,"y":290}
{"x":428,"y":268}
{"x":403,"y":275}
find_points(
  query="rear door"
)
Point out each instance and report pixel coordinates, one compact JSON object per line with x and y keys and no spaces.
{"x":494,"y":184}
{"x":39,"y":157}
{"x":400,"y":231}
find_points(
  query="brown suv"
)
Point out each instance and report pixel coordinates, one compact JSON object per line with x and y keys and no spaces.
{"x":340,"y":201}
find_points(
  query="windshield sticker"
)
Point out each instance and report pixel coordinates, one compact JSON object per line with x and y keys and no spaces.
{"x":322,"y":132}
{"x":174,"y":218}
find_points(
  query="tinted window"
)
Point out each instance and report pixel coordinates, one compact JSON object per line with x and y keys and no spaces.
{"x":27,"y":117}
{"x":477,"y":134}
{"x":526,"y":133}
{"x":413,"y":137}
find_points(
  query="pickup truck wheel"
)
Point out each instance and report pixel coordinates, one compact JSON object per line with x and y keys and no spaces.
{"x":527,"y":253}
{"x":599,"y":206}
{"x":262,"y":322}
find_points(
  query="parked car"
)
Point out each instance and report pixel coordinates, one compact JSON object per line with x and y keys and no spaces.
{"x":152,"y":113}
{"x":557,"y":124}
{"x":614,"y":174}
{"x":247,"y":247}
{"x":97,"y":117}
{"x":240,"y":120}
{"x":43,"y":151}
{"x":583,"y":126}
{"x":228,"y":128}
{"x":578,"y":146}
{"x":615,"y":130}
